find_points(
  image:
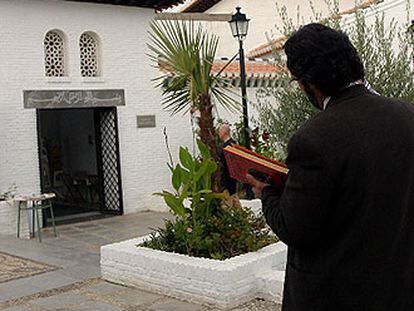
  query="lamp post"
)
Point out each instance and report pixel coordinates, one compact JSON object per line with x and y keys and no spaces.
{"x":239,"y":25}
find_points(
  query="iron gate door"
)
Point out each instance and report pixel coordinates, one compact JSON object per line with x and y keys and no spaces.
{"x":109,"y":168}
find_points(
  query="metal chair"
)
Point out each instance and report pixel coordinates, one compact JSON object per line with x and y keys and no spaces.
{"x":40,"y":202}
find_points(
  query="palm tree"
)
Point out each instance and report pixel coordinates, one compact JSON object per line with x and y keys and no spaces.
{"x":185,"y":54}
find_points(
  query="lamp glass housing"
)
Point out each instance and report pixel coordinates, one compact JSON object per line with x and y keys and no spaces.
{"x":239,"y":25}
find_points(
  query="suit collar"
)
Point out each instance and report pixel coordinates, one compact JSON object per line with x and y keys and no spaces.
{"x":347,"y":93}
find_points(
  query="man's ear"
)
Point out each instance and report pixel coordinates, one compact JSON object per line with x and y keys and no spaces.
{"x":319,"y":96}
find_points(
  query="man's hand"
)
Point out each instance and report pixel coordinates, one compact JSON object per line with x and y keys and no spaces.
{"x":257,"y":185}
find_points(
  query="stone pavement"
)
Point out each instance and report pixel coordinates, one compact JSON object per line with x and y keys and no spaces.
{"x":76,"y":283}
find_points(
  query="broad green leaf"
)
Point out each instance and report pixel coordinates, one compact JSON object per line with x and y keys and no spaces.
{"x":185,"y":176}
{"x":176,"y":178}
{"x":186,"y":159}
{"x":204,"y":192}
{"x":175,"y":204}
{"x":214,"y":195}
{"x":211,"y":167}
{"x":205,"y":153}
{"x":201,"y":171}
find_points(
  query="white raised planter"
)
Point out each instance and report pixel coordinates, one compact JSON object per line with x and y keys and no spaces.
{"x":223,"y":284}
{"x":254,"y":205}
{"x":8,"y":220}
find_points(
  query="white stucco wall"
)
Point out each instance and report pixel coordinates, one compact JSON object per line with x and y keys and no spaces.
{"x":218,"y":283}
{"x":122,"y":32}
{"x":253,"y":110}
{"x":398,"y":11}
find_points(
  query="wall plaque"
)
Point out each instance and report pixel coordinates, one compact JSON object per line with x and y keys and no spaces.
{"x":73,"y":98}
{"x":146,"y":121}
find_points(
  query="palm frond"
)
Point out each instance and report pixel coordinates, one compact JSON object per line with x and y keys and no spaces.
{"x":185,"y":52}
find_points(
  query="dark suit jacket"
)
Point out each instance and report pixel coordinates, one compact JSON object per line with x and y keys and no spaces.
{"x":226,"y":182}
{"x":347,"y":210}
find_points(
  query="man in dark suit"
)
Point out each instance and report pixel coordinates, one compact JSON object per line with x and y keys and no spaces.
{"x":347,"y":209}
{"x":226,"y":182}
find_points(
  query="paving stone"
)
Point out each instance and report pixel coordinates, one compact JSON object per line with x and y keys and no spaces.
{"x":174,"y":305}
{"x":82,"y":271}
{"x":77,"y":256}
{"x":96,"y":226}
{"x":73,"y":234}
{"x":94,"y":240}
{"x":135,"y":297}
{"x":68,"y":229}
{"x":16,"y":289}
{"x":50,"y":280}
{"x":18,"y":308}
{"x":86,"y":225}
{"x":60,"y":301}
{"x":106,"y":236}
{"x":68,"y":243}
{"x":258,"y":305}
{"x":96,"y":306}
{"x":103,"y":288}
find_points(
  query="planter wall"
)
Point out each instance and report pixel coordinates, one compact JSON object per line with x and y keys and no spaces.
{"x":8,"y":220}
{"x":223,"y":284}
{"x":255,"y":205}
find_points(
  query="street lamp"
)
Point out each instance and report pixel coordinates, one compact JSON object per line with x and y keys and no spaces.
{"x":239,"y":25}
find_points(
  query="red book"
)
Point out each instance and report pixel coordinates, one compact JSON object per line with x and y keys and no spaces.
{"x":241,"y":160}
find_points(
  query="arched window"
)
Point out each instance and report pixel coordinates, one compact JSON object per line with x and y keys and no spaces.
{"x":54,"y":46}
{"x":89,"y":49}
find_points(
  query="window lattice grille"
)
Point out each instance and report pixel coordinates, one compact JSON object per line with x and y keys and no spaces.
{"x":110,"y":164}
{"x":54,"y":55}
{"x":88,"y":55}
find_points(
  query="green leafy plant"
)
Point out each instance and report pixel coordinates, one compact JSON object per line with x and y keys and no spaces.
{"x":387,"y":53}
{"x":228,"y":232}
{"x":207,"y":224}
{"x":191,"y":180}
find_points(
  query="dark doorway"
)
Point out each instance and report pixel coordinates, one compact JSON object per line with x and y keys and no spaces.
{"x":72,"y":144}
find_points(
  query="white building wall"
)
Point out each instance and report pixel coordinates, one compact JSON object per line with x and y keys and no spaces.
{"x":264,"y":17}
{"x":123,"y":35}
{"x":253,"y":112}
{"x":394,"y":11}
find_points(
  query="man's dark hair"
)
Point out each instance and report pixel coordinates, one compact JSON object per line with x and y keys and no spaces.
{"x":324,"y":57}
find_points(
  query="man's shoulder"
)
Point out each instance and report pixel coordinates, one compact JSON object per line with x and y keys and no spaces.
{"x":344,"y":116}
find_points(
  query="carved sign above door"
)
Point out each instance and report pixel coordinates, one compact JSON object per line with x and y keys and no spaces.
{"x":52,"y":99}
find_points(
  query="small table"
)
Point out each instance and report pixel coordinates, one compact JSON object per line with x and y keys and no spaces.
{"x":40,"y":202}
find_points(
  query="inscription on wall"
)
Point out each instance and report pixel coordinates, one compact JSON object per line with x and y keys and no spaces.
{"x":73,"y":98}
{"x":146,"y":121}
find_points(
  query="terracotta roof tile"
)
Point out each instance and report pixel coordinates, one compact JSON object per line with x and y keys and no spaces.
{"x":258,"y":70}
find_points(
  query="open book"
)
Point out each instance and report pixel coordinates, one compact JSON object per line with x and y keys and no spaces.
{"x":242,"y":161}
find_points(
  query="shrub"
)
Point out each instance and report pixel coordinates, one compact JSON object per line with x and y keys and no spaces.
{"x":212,"y":225}
{"x":387,"y":68}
